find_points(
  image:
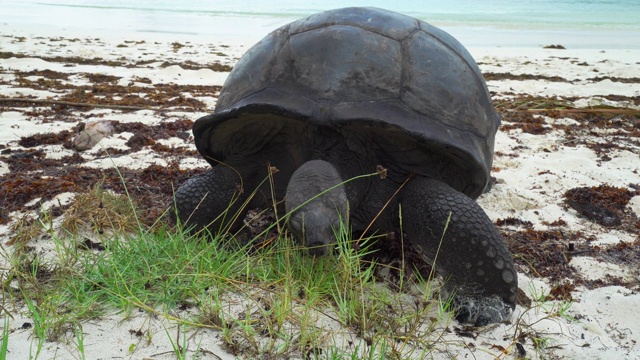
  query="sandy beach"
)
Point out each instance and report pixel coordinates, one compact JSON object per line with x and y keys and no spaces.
{"x":565,"y":194}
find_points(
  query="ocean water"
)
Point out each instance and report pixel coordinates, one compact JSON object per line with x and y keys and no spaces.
{"x":572,"y":23}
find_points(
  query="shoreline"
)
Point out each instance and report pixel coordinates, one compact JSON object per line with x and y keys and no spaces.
{"x":248,"y":30}
{"x":538,"y":158}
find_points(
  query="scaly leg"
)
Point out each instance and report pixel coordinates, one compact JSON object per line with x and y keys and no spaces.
{"x":472,"y":255}
{"x":211,"y":200}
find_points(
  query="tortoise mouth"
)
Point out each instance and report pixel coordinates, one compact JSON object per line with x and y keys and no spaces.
{"x":319,"y":249}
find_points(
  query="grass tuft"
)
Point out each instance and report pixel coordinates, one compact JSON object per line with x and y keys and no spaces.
{"x":4,"y":343}
{"x":267,"y":299}
{"x":98,"y":210}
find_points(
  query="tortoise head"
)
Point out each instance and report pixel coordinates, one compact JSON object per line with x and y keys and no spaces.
{"x":317,"y":203}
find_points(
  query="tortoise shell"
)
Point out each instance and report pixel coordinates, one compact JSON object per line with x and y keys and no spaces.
{"x":397,"y":81}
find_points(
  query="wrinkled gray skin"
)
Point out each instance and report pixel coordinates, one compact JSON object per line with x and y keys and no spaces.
{"x":332,"y":97}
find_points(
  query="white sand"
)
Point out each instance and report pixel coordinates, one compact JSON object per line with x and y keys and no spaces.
{"x":530,"y":187}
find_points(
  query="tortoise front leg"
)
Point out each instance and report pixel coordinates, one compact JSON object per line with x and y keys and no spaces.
{"x":470,"y":253}
{"x":211,"y":200}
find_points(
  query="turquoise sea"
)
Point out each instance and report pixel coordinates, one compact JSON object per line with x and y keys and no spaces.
{"x":572,"y":23}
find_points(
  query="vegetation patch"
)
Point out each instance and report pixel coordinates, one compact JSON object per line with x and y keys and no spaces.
{"x":489,"y":76}
{"x":265,"y":302}
{"x":527,"y":122}
{"x":603,"y":204}
{"x":151,"y":187}
{"x":546,"y":253}
{"x":46,"y":139}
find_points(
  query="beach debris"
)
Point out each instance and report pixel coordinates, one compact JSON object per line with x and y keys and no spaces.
{"x":29,"y":154}
{"x":139,"y":140}
{"x":45,"y":139}
{"x":558,"y":47}
{"x":603,"y":204}
{"x":176,"y":46}
{"x":511,"y":221}
{"x":92,"y":133}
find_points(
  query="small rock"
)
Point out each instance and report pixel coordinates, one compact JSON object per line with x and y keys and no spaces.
{"x":92,"y":134}
{"x":184,"y":135}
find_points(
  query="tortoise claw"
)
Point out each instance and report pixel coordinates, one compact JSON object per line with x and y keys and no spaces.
{"x":481,"y":311}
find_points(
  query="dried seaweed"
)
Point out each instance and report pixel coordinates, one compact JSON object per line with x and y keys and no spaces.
{"x":546,"y":253}
{"x":603,"y":204}
{"x":45,"y":139}
{"x":151,"y":193}
{"x":489,"y":76}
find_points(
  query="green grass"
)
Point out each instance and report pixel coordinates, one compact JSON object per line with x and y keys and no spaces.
{"x":271,"y":300}
{"x":39,"y":326}
{"x":4,"y":343}
{"x":284,"y":292}
{"x":79,"y":341}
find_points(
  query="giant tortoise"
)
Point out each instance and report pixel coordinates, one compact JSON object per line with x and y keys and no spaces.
{"x":355,"y":91}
